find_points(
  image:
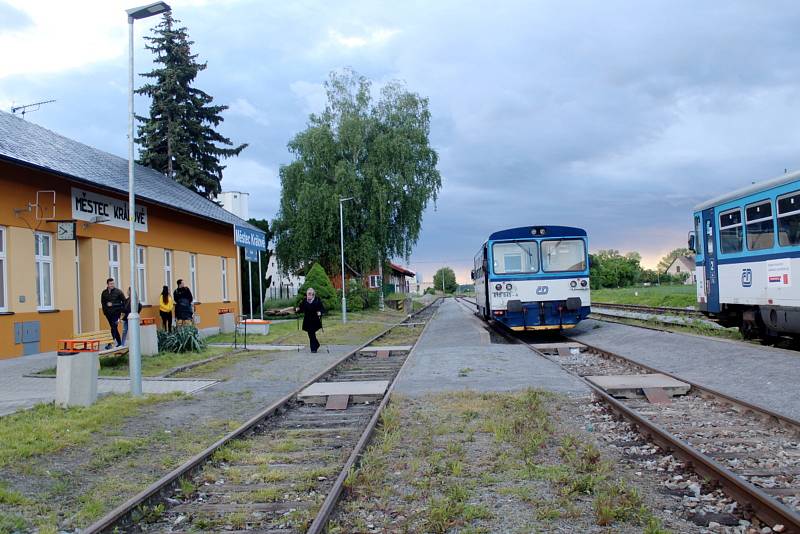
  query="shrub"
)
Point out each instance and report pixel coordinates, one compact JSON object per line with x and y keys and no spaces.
{"x":317,"y":279}
{"x":357,"y":298}
{"x":181,"y":339}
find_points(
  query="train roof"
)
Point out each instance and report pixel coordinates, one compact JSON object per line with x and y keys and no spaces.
{"x":524,"y":232}
{"x":749,"y":190}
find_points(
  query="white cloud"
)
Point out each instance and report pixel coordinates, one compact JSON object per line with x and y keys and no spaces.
{"x":243,"y":107}
{"x":311,"y":94}
{"x":374,"y":37}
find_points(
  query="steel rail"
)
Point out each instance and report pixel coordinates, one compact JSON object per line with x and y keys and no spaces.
{"x":332,"y":499}
{"x":664,"y":310}
{"x":153,"y":492}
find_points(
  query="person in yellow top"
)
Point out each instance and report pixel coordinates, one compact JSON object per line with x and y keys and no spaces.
{"x":165,"y":307}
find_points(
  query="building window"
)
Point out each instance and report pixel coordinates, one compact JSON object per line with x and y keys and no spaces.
{"x":677,"y":268}
{"x":225,"y":279}
{"x":3,"y":282}
{"x":113,"y":262}
{"x":44,"y":270}
{"x":789,"y":219}
{"x":141,"y":274}
{"x":168,"y":268}
{"x":193,"y":274}
{"x":374,"y":281}
{"x":760,"y":227}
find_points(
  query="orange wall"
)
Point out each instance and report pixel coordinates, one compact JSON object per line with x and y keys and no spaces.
{"x":166,"y":229}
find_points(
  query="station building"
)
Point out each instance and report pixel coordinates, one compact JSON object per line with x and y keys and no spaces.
{"x":50,"y":280}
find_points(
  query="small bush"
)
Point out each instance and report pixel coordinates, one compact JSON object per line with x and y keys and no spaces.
{"x":318,"y":279}
{"x":182,"y":339}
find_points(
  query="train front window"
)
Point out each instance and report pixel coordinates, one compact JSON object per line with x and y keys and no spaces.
{"x":789,"y":219}
{"x":760,"y":227}
{"x":563,"y":255}
{"x":519,"y":257}
{"x":731,"y":233}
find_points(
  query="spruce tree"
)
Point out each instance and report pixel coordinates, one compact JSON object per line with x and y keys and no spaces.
{"x":179,"y":139}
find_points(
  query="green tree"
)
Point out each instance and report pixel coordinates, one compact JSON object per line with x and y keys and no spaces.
{"x":252,"y":267}
{"x":667,"y":260}
{"x":378,"y":153}
{"x":179,"y":138}
{"x":317,"y":278}
{"x":611,"y":269}
{"x":450,"y":284}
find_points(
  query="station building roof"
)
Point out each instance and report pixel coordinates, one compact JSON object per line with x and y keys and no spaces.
{"x":27,"y":144}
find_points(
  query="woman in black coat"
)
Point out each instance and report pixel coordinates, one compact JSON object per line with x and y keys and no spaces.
{"x":312,"y":309}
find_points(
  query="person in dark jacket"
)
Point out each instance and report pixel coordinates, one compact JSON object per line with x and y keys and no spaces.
{"x":312,"y":309}
{"x":183,"y":302}
{"x":125,"y":313}
{"x":113,"y":301}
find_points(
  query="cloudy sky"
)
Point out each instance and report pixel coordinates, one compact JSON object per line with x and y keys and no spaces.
{"x":614,"y":116}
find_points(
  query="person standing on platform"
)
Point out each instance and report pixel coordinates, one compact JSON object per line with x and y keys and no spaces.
{"x":183,"y":303}
{"x":312,"y":309}
{"x":113,"y":301}
{"x":125,"y":314}
{"x":165,"y":307}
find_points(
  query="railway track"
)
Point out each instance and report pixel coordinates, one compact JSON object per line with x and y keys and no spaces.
{"x":751,"y":453}
{"x":282,"y":471}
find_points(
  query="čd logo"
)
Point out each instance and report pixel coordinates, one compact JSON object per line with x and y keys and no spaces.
{"x":747,"y":277}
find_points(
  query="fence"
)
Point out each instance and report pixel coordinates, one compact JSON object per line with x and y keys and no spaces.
{"x":281,"y":292}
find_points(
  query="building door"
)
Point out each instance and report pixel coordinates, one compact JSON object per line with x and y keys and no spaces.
{"x":710,"y":251}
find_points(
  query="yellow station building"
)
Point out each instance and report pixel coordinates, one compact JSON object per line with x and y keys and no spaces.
{"x":50,"y":284}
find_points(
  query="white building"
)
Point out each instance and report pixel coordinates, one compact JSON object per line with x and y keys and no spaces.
{"x":683,"y":265}
{"x":236,"y":202}
{"x":282,"y":285}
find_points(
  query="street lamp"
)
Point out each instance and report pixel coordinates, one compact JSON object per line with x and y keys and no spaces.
{"x":341,"y":244}
{"x":135,"y":351}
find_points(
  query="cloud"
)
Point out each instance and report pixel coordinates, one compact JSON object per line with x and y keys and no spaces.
{"x":370,"y":38}
{"x":260,"y":180}
{"x":312,"y":95}
{"x":242,"y":107}
{"x":12,"y":18}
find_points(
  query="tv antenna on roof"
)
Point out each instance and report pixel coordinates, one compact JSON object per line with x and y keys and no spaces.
{"x":33,"y":107}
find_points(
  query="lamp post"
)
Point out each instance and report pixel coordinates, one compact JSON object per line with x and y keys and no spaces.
{"x":341,"y":244}
{"x":135,"y":351}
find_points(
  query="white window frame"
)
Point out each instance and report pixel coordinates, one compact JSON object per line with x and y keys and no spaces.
{"x":141,"y":274}
{"x":113,"y":265}
{"x":3,"y":270}
{"x":225,"y":279}
{"x":168,"y":257}
{"x":193,"y":275}
{"x":374,"y":281}
{"x":44,"y":264}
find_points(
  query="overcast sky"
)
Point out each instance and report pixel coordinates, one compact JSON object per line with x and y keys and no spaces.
{"x":614,"y":116}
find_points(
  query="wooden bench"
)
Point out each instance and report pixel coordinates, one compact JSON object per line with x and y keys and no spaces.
{"x":91,"y":342}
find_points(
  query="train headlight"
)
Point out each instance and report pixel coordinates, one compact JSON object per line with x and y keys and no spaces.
{"x":508,"y":287}
{"x":573,"y":284}
{"x":584,"y":283}
{"x":498,"y":287}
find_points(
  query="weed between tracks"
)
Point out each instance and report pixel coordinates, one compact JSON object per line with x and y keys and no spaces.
{"x":472,"y":463}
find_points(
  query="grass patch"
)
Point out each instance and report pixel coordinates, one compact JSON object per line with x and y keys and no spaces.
{"x":47,"y":428}
{"x":10,"y":523}
{"x":444,"y":463}
{"x":155,"y":365}
{"x":677,"y":296}
{"x":698,"y":328}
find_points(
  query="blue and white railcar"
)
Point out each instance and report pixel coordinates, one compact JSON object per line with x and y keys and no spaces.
{"x":748,"y":257}
{"x":534,"y":277}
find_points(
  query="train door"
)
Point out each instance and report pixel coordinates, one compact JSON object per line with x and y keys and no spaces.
{"x":487,"y":312}
{"x":710,"y":251}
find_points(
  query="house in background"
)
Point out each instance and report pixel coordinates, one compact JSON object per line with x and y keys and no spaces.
{"x":683,"y":265}
{"x":397,"y":279}
{"x":281,"y":284}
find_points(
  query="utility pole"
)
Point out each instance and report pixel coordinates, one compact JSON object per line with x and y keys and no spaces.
{"x":341,"y":245}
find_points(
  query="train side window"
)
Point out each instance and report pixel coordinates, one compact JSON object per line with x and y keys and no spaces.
{"x":760,"y":226}
{"x":789,"y":219}
{"x":731,"y":233}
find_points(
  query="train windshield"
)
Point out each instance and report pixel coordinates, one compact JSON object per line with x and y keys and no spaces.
{"x":516,"y":258}
{"x":563,"y":255}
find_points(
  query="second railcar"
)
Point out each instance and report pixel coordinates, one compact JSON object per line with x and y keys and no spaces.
{"x":534,"y":277}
